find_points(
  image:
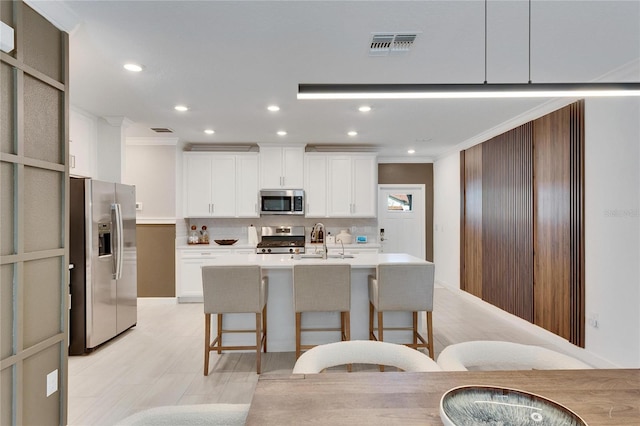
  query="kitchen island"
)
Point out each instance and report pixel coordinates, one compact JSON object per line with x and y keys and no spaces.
{"x":280,"y":314}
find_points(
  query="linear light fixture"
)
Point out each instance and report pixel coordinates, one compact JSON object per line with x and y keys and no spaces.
{"x":460,"y":91}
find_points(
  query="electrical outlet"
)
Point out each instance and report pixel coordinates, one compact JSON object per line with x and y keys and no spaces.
{"x":52,"y":382}
{"x":593,"y":320}
{"x":138,"y":206}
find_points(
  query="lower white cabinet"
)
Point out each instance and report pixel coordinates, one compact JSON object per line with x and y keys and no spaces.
{"x":189,"y":272}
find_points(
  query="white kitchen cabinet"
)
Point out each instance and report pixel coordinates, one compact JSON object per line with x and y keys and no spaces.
{"x":189,"y":288}
{"x":315,"y":185}
{"x":83,"y":137}
{"x":220,"y":185}
{"x":281,"y":167}
{"x":247,"y":186}
{"x":352,"y":185}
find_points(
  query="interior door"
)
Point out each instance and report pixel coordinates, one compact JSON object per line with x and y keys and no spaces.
{"x":401,"y":219}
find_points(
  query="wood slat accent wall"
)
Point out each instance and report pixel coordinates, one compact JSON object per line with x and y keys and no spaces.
{"x":559,"y":291}
{"x":522,"y":217}
{"x":577,"y":331}
{"x":471,"y":244}
{"x":507,"y":207}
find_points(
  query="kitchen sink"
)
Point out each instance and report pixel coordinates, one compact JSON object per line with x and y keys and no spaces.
{"x":330,"y":256}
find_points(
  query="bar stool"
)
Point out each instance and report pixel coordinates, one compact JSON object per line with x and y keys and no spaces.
{"x":402,"y":287}
{"x":321,"y":288}
{"x":234,"y":289}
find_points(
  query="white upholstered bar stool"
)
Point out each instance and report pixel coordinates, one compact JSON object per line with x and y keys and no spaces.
{"x":402,"y":287}
{"x":234,"y":289}
{"x":321,"y":288}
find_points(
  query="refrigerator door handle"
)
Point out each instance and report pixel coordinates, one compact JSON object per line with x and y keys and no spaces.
{"x":119,"y":241}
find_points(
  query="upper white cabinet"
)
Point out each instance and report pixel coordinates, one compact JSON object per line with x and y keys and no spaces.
{"x":340,"y":185}
{"x":315,"y":185}
{"x":220,"y":185}
{"x":281,"y":167}
{"x":247,"y":186}
{"x":83,"y":139}
{"x":352,"y":185}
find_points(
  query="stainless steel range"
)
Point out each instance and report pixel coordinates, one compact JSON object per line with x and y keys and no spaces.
{"x":281,"y":239}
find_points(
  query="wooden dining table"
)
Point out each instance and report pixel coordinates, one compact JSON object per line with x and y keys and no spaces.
{"x":598,"y":396}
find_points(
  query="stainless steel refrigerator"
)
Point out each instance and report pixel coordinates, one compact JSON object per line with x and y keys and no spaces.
{"x":102,"y":249}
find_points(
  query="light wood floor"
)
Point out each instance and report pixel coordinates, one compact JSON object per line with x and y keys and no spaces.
{"x":160,"y":361}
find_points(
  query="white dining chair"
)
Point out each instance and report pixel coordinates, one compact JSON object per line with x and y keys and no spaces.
{"x":499,"y":355}
{"x":363,"y":352}
{"x":199,"y":414}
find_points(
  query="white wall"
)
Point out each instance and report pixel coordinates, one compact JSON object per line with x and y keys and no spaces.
{"x":612,"y":234}
{"x":109,"y":151}
{"x":151,"y":167}
{"x":446,"y":220}
{"x":612,"y":216}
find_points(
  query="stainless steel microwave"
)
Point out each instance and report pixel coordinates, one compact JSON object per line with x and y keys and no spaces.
{"x":282,"y":201}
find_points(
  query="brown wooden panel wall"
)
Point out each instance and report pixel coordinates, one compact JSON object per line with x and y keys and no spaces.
{"x":471,"y":244}
{"x":577,"y":331}
{"x":558,"y":194}
{"x":522,"y":218}
{"x":156,"y":260}
{"x":507,"y":207}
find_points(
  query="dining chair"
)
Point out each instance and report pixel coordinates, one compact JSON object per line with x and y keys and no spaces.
{"x":197,"y":414}
{"x":402,"y":287}
{"x":499,"y":355}
{"x":328,"y":355}
{"x":322,"y":288}
{"x":234,"y":289}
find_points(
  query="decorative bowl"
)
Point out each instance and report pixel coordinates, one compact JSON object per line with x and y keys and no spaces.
{"x":487,"y":405}
{"x":225,"y":242}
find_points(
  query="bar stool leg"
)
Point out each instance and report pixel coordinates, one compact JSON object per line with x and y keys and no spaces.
{"x":207,"y":342}
{"x":298,"y":333}
{"x":219,"y":338}
{"x":371,"y":335}
{"x":258,"y":340}
{"x":430,"y":332}
{"x":415,"y":329}
{"x":264,"y":327}
{"x":380,"y":328}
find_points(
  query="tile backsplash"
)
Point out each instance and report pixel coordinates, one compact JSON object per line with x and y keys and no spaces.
{"x":237,"y":228}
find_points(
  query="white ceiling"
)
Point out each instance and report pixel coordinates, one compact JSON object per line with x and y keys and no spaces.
{"x":228,"y":60}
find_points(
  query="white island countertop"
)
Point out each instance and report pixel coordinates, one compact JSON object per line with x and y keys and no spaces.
{"x":286,"y":261}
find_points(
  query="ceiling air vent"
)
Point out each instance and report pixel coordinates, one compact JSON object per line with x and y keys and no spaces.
{"x":384,"y":44}
{"x":162,"y":130}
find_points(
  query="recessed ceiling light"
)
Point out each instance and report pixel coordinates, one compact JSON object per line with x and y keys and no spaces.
{"x":352,"y":133}
{"x":281,"y":133}
{"x":411,"y":151}
{"x":364,"y":108}
{"x":273,"y":108}
{"x":209,"y":131}
{"x":181,"y":108}
{"x":133,"y":67}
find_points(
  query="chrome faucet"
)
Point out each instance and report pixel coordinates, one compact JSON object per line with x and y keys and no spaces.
{"x":317,"y":228}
